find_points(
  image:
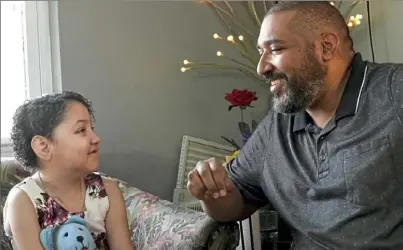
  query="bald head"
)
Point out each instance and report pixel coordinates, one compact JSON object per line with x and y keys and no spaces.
{"x":312,"y":18}
{"x":305,"y":50}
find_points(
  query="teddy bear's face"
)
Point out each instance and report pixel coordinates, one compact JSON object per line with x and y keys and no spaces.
{"x":75,"y":236}
{"x":71,"y":235}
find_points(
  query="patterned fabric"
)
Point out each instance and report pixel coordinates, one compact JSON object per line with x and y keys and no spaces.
{"x":160,"y":224}
{"x":50,"y":213}
{"x":11,"y":172}
{"x":155,"y":224}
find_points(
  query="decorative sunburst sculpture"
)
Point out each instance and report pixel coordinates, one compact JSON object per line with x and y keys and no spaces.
{"x":243,"y":39}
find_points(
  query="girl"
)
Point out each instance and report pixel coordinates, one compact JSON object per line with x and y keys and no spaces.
{"x":53,"y":136}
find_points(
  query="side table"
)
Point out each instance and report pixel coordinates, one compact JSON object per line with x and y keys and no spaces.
{"x":264,"y":230}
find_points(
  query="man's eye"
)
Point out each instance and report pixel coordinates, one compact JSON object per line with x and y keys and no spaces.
{"x":276,"y":50}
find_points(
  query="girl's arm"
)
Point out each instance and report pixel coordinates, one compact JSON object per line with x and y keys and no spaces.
{"x":117,"y":229}
{"x":21,"y":222}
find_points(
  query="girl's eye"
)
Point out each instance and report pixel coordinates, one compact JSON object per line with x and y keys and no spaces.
{"x":81,"y":130}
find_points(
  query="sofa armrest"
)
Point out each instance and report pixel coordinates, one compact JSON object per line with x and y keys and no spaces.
{"x":160,"y":224}
{"x":5,"y":243}
{"x":11,"y":171}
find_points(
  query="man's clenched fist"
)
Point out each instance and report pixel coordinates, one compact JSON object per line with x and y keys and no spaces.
{"x":209,"y":180}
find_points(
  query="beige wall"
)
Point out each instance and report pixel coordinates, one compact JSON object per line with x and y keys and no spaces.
{"x":126,"y":57}
{"x":387,"y":31}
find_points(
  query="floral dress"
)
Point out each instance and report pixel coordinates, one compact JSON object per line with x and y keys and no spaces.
{"x":50,"y":213}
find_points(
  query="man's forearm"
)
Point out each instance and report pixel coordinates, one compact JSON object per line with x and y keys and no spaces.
{"x":228,"y":208}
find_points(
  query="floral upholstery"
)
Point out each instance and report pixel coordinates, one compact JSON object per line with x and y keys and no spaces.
{"x":155,"y":224}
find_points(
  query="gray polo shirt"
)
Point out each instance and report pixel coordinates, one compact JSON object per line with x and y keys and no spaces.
{"x":340,"y":187}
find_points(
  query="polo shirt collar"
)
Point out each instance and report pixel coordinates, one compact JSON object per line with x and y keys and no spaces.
{"x":351,"y":95}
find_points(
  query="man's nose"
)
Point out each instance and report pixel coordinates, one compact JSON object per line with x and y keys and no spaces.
{"x":264,"y":67}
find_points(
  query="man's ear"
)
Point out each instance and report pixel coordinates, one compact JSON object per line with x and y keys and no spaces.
{"x":330,"y":42}
{"x":41,"y":146}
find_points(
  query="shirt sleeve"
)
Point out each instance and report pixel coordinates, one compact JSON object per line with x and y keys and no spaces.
{"x":246,"y":169}
{"x":396,"y":91}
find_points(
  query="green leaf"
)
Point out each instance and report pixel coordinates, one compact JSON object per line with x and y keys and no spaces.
{"x":254,"y":125}
{"x":235,"y":144}
{"x":230,"y":107}
{"x":252,"y":9}
{"x":232,"y":142}
{"x":244,"y":128}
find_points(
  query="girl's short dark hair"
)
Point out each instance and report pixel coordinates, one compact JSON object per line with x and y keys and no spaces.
{"x":40,"y":116}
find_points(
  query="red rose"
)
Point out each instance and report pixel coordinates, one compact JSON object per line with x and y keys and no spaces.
{"x":240,"y":97}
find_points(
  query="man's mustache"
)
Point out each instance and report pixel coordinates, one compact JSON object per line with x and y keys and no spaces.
{"x":272,"y":76}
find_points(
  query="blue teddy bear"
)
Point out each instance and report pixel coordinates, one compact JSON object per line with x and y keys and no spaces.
{"x":71,"y":235}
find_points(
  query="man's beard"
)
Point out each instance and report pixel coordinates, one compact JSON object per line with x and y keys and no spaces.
{"x":301,"y":90}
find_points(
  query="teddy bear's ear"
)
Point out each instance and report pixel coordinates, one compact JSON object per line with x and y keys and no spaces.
{"x":76,"y":219}
{"x":46,"y":237}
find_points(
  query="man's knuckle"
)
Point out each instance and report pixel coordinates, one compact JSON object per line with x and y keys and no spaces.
{"x":191,"y":175}
{"x":190,"y":186}
{"x":214,"y":168}
{"x":201,"y":166}
{"x":212,"y":160}
{"x":217,"y":168}
{"x":204,"y":172}
{"x":200,"y":163}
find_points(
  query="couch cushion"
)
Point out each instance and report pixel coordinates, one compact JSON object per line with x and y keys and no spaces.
{"x":11,"y":171}
{"x":5,"y":188}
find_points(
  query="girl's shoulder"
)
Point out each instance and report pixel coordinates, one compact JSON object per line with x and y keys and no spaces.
{"x":30,"y":187}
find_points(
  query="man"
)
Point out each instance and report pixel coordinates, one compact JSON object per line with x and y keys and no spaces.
{"x":329,"y":155}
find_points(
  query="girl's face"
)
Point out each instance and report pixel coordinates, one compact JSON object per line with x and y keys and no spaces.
{"x":74,"y":143}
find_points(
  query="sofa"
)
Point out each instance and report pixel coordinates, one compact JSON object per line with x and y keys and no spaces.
{"x":154,"y":223}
